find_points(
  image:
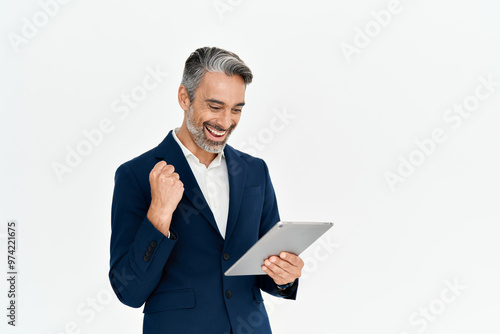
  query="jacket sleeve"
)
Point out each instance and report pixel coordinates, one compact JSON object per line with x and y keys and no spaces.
{"x":138,"y":250}
{"x":270,"y":216}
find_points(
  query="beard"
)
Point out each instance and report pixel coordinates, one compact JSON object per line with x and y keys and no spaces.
{"x":199,"y":136}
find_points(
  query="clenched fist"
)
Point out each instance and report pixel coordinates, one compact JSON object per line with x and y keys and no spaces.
{"x":166,"y":193}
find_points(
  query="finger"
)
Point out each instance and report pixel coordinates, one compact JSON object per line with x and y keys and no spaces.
{"x":293,"y":259}
{"x":290,"y":269}
{"x":281,"y":273}
{"x":175,"y":175}
{"x":159,"y":165}
{"x":168,"y":169}
{"x":274,"y":276}
{"x":156,"y":170}
{"x":285,"y":265}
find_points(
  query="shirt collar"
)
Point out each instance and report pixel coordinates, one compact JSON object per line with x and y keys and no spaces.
{"x":189,"y":155}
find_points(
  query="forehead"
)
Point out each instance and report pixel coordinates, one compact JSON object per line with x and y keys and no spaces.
{"x":219,"y":86}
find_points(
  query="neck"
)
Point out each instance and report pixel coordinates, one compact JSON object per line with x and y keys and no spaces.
{"x":187,"y":140}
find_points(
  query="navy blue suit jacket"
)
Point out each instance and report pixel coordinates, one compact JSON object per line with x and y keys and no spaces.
{"x":182,"y":281}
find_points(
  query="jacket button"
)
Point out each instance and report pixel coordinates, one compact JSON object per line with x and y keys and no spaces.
{"x":151,"y":248}
{"x":228,"y":294}
{"x":146,"y":258}
{"x":153,"y":244}
{"x":226,"y":256}
{"x":149,"y":253}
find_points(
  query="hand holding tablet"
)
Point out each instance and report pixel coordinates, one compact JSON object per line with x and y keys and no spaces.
{"x":283,"y":269}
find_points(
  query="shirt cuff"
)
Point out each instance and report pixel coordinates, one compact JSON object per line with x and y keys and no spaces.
{"x":171,"y":235}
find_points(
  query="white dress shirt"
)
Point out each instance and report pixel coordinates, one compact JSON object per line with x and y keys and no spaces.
{"x":213,"y":182}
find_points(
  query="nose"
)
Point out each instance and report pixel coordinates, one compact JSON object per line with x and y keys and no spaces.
{"x":224,"y":120}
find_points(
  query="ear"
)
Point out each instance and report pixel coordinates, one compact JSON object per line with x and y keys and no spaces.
{"x":183,"y":97}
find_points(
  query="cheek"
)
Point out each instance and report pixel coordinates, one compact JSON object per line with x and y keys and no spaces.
{"x":236,"y":119}
{"x":204,"y":117}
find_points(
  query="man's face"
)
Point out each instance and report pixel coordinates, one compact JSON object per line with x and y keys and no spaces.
{"x":215,"y":110}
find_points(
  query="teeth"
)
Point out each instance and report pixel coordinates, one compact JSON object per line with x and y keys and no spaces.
{"x":216,"y":132}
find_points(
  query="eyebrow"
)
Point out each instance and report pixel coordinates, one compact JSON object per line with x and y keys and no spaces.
{"x":241,"y":104}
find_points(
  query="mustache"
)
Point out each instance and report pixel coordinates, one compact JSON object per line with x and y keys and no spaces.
{"x":219,"y":128}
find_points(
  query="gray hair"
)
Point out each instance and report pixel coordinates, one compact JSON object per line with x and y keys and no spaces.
{"x":213,"y":59}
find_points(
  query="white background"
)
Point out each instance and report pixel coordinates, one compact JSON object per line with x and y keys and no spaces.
{"x":391,"y":251}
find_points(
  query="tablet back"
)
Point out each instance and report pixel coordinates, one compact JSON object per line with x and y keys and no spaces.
{"x":292,"y":237}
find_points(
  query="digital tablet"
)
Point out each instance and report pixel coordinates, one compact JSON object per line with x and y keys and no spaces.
{"x":292,"y":237}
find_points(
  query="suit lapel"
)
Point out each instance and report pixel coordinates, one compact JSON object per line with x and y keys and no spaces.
{"x":237,"y":173}
{"x":170,"y":151}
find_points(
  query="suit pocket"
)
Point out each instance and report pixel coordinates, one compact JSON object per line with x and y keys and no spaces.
{"x":170,"y":300}
{"x":252,"y":191}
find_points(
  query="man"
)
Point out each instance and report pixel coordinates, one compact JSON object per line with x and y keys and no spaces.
{"x":185,"y":211}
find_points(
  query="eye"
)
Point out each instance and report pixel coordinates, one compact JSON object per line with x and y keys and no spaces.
{"x":215,"y":107}
{"x":236,"y":110}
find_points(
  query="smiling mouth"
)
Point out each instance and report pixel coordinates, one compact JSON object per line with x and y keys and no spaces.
{"x":215,"y":133}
